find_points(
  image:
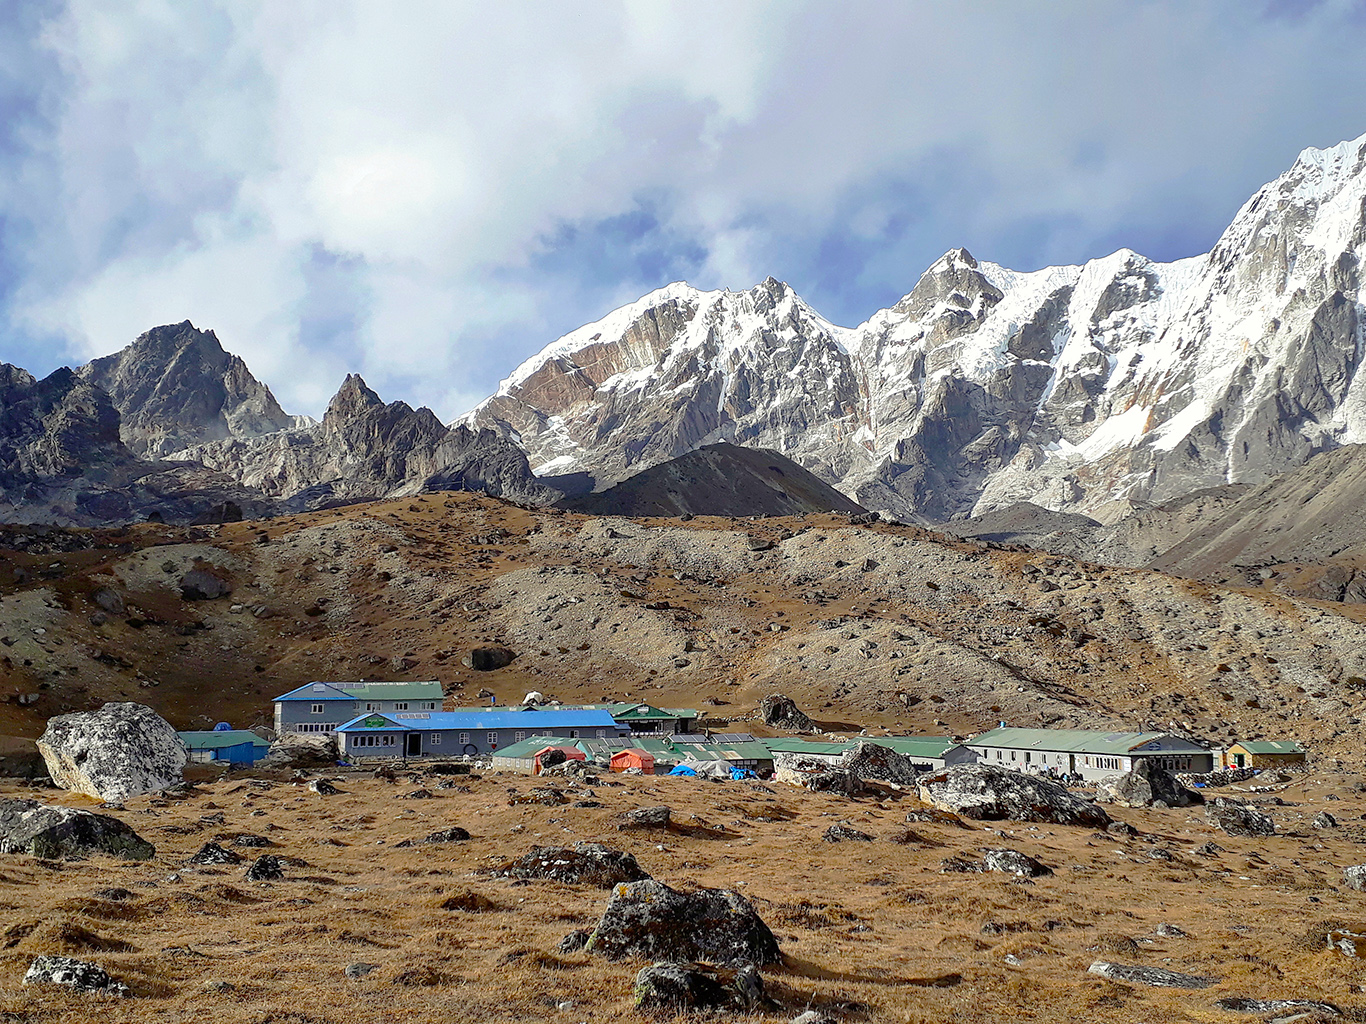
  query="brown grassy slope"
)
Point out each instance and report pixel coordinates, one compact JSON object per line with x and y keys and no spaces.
{"x":867,"y":928}
{"x":871,"y":626}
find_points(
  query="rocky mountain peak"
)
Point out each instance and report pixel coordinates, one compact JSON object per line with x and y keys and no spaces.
{"x":175,"y":386}
{"x":353,"y":399}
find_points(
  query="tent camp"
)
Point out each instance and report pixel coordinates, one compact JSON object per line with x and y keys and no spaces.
{"x":570,"y":754}
{"x":632,"y":757}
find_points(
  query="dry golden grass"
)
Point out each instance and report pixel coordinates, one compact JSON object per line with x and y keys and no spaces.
{"x":871,"y":931}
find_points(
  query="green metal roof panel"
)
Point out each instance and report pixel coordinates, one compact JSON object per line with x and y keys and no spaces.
{"x":528,"y":747}
{"x":206,"y":740}
{"x":1270,"y":746}
{"x":1082,"y":741}
{"x":429,"y":690}
{"x":915,"y":746}
{"x":787,"y":746}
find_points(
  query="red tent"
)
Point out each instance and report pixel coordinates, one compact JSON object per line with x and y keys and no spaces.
{"x":633,"y":758}
{"x":570,"y":754}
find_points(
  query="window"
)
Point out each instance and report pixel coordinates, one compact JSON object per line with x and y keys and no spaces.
{"x":318,"y":709}
{"x":998,"y":755}
{"x":464,"y":737}
{"x":315,"y":727}
{"x":1026,"y":757}
{"x":519,"y":736}
{"x":602,"y":734}
{"x":428,"y":705}
{"x":492,"y":738}
{"x":374,"y":705}
{"x":436,"y":739}
{"x":400,"y":705}
{"x":573,"y":734}
{"x":388,"y":741}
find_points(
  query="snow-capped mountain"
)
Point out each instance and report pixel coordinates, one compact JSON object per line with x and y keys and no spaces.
{"x":1069,"y":386}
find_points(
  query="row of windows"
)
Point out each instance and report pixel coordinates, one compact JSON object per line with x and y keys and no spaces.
{"x":315,"y":726}
{"x":1090,"y":761}
{"x":375,"y":705}
{"x":372,"y":741}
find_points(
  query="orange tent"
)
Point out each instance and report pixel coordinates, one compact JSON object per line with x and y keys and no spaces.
{"x":633,"y":758}
{"x":570,"y":754}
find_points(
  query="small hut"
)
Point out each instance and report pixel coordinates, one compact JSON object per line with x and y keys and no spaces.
{"x":548,"y":757}
{"x":1264,"y":754}
{"x":633,"y":757}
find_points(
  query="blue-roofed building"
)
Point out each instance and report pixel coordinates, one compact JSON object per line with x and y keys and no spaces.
{"x":321,"y":707}
{"x":236,"y":746}
{"x":457,"y":733}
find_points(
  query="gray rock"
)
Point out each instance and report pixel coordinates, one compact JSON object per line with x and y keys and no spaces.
{"x":645,"y":817}
{"x":212,"y":853}
{"x":988,"y":793}
{"x":649,"y":919}
{"x":814,"y":1017}
{"x":54,"y":833}
{"x":1146,"y":786}
{"x":201,"y":584}
{"x":872,"y":761}
{"x":1013,"y":862}
{"x":1239,"y":1004}
{"x":323,"y":788}
{"x":360,"y":969}
{"x":842,"y":833}
{"x":265,"y":868}
{"x":1324,"y":820}
{"x":110,"y":600}
{"x":781,"y":712}
{"x":1238,"y":819}
{"x":76,"y":974}
{"x":250,"y":840}
{"x":1354,"y":877}
{"x":122,"y":750}
{"x":1158,"y":977}
{"x":574,"y":941}
{"x":1169,"y":931}
{"x":674,"y":988}
{"x":454,"y":834}
{"x":585,"y":864}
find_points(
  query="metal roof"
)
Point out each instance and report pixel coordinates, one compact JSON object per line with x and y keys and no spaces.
{"x":1269,"y":746}
{"x":490,"y":719}
{"x":787,"y":746}
{"x":205,"y":740}
{"x":528,"y":747}
{"x":1080,"y":741}
{"x":911,"y":746}
{"x":430,"y":690}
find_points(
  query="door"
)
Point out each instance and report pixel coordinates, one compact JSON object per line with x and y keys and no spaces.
{"x":1238,"y":760}
{"x":1071,"y":764}
{"x":413,"y":744}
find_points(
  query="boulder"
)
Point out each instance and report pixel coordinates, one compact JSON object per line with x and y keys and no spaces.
{"x":845,"y":833}
{"x":488,"y":659}
{"x":1354,"y":877}
{"x":816,"y":776}
{"x":534,"y":697}
{"x":1013,"y":862}
{"x":265,"y":868}
{"x":782,"y":712}
{"x":645,"y":817}
{"x":874,"y":762}
{"x":1324,"y":820}
{"x":300,"y":750}
{"x":1238,"y":819}
{"x":212,"y":853}
{"x":53,"y":833}
{"x":585,"y":864}
{"x":75,"y":974}
{"x":987,"y":793}
{"x":109,"y":600}
{"x":119,"y":751}
{"x":1159,"y":977}
{"x":454,"y":834}
{"x":574,"y":941}
{"x":649,"y":919}
{"x":323,"y":788}
{"x":200,"y":584}
{"x":1282,"y":1007}
{"x":1146,"y":786}
{"x":674,"y":988}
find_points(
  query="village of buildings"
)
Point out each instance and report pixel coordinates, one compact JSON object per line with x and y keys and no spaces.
{"x":370,"y":721}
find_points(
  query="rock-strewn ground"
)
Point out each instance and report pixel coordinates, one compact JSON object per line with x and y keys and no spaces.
{"x":870,"y":931}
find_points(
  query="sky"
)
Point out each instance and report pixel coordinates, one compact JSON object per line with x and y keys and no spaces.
{"x":428,"y":193}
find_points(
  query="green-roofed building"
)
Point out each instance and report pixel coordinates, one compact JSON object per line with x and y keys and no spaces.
{"x":521,"y":756}
{"x":236,"y":746}
{"x":1091,"y":755}
{"x":1264,"y":754}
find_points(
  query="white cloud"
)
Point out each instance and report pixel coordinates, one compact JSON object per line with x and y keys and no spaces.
{"x":201,"y":156}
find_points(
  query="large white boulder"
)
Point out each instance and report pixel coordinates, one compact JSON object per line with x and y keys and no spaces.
{"x":121,"y":750}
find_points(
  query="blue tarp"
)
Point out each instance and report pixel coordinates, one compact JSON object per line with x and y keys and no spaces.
{"x":682,"y":769}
